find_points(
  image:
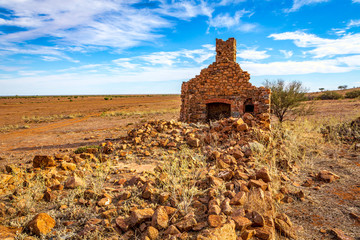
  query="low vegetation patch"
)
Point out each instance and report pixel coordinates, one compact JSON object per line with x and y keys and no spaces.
{"x":8,"y":128}
{"x":348,"y":132}
{"x":51,"y":118}
{"x":330,"y":95}
{"x":353,"y":94}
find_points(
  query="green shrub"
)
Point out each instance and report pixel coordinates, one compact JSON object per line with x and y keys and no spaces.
{"x":83,"y":149}
{"x":106,"y":98}
{"x":353,"y":94}
{"x":330,"y":95}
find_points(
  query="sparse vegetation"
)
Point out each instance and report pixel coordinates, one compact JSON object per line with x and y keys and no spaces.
{"x":8,"y":128}
{"x":84,"y":149}
{"x":353,"y":94}
{"x":192,"y":178}
{"x":285,"y":97}
{"x":52,"y":118}
{"x":330,"y":95}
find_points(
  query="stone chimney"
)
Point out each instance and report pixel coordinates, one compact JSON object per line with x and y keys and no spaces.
{"x":226,"y":50}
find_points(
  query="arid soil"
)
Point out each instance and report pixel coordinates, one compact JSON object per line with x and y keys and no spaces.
{"x":316,"y":207}
{"x":87,"y":121}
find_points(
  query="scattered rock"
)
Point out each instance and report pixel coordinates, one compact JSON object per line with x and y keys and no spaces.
{"x":241,"y":223}
{"x":43,"y":161}
{"x":226,"y":232}
{"x":41,"y":224}
{"x":216,"y":221}
{"x":139,"y":215}
{"x":327,"y":176}
{"x":160,"y":219}
{"x":284,"y":228}
{"x":152,"y":233}
{"x":9,"y":232}
{"x":74,"y":182}
{"x":340,"y":234}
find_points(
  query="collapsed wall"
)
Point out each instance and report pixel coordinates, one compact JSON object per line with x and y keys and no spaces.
{"x":223,"y":90}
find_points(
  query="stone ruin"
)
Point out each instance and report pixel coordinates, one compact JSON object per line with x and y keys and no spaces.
{"x":223,"y":90}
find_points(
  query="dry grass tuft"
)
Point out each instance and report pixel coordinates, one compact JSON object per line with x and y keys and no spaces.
{"x":51,"y":118}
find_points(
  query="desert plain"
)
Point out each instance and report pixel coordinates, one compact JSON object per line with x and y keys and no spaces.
{"x":123,"y":167}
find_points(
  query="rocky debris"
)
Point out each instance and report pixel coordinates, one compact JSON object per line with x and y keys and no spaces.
{"x":41,"y":224}
{"x":340,"y":235}
{"x":285,"y":227}
{"x":227,"y":182}
{"x":9,"y":232}
{"x":327,"y":176}
{"x":139,"y":215}
{"x":160,"y":219}
{"x":74,"y":182}
{"x":43,"y":161}
{"x":226,"y":232}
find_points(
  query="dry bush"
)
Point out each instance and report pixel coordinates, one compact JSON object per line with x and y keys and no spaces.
{"x":181,"y":171}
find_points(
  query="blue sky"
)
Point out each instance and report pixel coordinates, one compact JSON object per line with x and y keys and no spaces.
{"x":50,"y":47}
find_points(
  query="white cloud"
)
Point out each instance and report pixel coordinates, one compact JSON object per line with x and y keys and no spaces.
{"x":109,"y":23}
{"x":252,"y":54}
{"x":287,"y":54}
{"x":185,"y":9}
{"x":170,"y":58}
{"x":323,"y":47}
{"x":50,"y":58}
{"x":230,"y":2}
{"x":293,"y":67}
{"x":162,"y":58}
{"x":297,"y":4}
{"x":227,"y":21}
{"x":351,"y":61}
{"x":8,"y":49}
{"x":125,"y":63}
{"x":356,"y":1}
{"x":353,"y":23}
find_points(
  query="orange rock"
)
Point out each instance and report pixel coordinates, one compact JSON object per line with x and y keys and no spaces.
{"x":340,"y":234}
{"x":74,"y":182}
{"x":327,"y":176}
{"x":241,"y":223}
{"x":9,"y":232}
{"x":216,"y":221}
{"x":160,"y":219}
{"x":186,"y":224}
{"x":239,"y":199}
{"x":42,"y":161}
{"x":284,"y":228}
{"x":139,"y":215}
{"x":152,"y":233}
{"x":41,"y":224}
{"x":264,"y":175}
{"x":122,"y":223}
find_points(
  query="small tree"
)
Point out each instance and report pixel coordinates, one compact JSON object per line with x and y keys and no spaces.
{"x":321,"y":89}
{"x":285,"y":97}
{"x":342,"y":87}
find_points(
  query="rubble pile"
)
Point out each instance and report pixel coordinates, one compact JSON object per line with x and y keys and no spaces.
{"x":207,"y":186}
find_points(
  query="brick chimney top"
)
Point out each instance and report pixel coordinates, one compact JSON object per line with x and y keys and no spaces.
{"x":226,"y":50}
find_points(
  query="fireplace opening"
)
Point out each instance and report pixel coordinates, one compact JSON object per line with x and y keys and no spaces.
{"x":216,"y":111}
{"x":249,"y":106}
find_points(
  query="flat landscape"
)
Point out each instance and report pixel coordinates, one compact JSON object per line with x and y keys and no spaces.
{"x":122,"y":128}
{"x":35,"y":124}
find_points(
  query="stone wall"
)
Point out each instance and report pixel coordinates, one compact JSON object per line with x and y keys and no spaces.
{"x":223,"y":82}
